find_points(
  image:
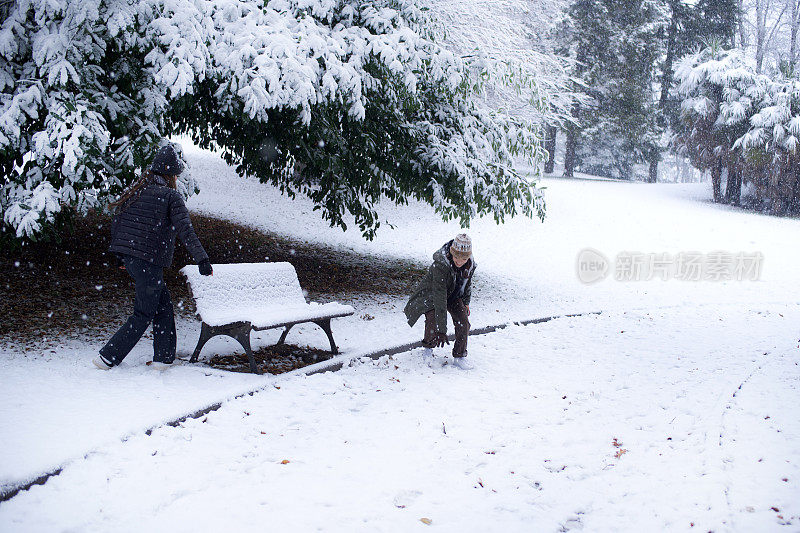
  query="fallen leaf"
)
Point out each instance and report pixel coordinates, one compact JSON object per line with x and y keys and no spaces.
{"x":263,"y":432}
{"x":620,"y":453}
{"x":285,"y":462}
{"x":426,"y":521}
{"x":775,"y":509}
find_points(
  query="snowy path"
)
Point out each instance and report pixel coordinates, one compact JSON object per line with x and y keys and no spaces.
{"x":382,"y":444}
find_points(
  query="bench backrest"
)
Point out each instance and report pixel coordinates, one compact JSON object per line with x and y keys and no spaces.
{"x":239,"y":286}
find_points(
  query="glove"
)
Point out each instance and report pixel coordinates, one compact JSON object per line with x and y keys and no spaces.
{"x":440,"y":339}
{"x":205,"y":268}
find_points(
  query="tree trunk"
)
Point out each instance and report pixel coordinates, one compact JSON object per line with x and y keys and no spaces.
{"x":550,"y":146}
{"x":733,"y":188}
{"x":571,"y":146}
{"x":570,"y":152}
{"x":716,"y":181}
{"x":652,"y":176}
{"x":794,"y":175}
{"x":761,"y":31}
{"x":667,"y":74}
{"x":764,"y":37}
{"x":795,"y":22}
{"x":779,"y":191}
{"x":742,"y":30}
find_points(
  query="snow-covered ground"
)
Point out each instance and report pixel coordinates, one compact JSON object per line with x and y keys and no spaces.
{"x":525,"y":441}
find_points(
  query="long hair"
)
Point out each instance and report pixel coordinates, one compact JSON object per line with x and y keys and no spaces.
{"x":137,"y":186}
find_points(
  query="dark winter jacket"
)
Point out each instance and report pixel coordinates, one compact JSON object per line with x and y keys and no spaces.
{"x":146,"y":226}
{"x":442,"y":284}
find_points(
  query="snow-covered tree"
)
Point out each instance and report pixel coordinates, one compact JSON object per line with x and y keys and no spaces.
{"x":616,"y":45}
{"x":346,"y":101}
{"x":711,"y":85}
{"x":772,"y":145}
{"x":743,"y":125}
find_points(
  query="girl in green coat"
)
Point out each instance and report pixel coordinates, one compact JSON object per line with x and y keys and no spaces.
{"x":447,"y":287}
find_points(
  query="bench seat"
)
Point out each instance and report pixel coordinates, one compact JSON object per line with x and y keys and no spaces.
{"x":269,"y":317}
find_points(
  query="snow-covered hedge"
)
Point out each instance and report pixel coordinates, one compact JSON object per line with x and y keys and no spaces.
{"x":343,"y":100}
{"x":742,"y":125}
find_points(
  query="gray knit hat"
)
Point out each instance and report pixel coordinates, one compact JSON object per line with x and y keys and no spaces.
{"x":462,"y":246}
{"x":166,"y":162}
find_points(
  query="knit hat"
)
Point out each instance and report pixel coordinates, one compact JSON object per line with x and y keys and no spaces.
{"x":166,"y":162}
{"x":461,"y":247}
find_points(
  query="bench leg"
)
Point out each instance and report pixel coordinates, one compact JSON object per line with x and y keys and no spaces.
{"x":326,"y":327}
{"x":206,"y":332}
{"x":240,"y":332}
{"x":242,"y":335}
{"x":283,"y":335}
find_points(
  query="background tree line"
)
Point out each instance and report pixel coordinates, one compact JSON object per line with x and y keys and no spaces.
{"x":706,"y":80}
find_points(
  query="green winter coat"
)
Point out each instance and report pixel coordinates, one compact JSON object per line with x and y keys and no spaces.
{"x":437,"y":285}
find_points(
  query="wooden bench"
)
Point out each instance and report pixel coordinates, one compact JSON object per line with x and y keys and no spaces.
{"x":242,"y":297}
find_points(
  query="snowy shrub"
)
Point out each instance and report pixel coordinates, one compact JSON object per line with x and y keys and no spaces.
{"x":345,"y":101}
{"x":771,"y":146}
{"x":742,"y":125}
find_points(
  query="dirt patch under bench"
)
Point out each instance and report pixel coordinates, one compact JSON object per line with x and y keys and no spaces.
{"x":73,"y":289}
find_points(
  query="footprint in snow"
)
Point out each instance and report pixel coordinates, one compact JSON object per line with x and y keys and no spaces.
{"x":405,"y":498}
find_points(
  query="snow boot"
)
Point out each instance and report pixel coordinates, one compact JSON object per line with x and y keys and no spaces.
{"x":462,"y":363}
{"x":102,"y":363}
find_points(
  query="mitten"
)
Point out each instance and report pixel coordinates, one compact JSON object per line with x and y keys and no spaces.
{"x":205,"y":268}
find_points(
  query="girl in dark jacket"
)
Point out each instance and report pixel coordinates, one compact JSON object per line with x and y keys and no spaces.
{"x":150,"y":214}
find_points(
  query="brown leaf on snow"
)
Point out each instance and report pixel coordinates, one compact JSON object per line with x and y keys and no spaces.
{"x":426,"y":521}
{"x":615,"y":443}
{"x":285,"y":462}
{"x":620,"y":453}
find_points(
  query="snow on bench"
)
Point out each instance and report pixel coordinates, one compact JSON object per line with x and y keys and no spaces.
{"x":242,"y":297}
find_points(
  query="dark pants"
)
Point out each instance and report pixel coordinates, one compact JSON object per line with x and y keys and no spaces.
{"x":152,"y":304}
{"x":458,"y":311}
